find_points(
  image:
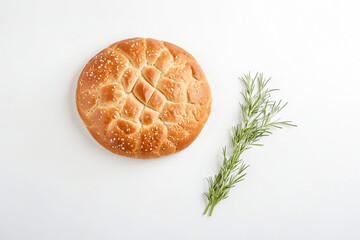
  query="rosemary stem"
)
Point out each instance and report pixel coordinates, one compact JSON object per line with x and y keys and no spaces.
{"x":211,"y":210}
{"x":206,"y":209}
{"x":259,"y":116}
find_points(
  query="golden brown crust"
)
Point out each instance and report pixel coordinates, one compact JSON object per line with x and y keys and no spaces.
{"x":143,"y":98}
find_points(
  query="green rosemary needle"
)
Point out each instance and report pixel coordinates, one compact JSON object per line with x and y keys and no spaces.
{"x":259,"y":114}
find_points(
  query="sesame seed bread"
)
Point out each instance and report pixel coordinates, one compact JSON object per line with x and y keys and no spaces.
{"x":143,"y":98}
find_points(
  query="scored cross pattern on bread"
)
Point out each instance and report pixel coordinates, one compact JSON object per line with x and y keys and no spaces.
{"x":143,"y":98}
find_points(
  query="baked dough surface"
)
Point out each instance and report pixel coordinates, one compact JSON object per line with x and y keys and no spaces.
{"x":143,"y":98}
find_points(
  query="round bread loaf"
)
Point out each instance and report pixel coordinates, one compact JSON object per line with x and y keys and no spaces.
{"x":143,"y":98}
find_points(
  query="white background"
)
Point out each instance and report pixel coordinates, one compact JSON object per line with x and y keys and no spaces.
{"x":56,"y":182}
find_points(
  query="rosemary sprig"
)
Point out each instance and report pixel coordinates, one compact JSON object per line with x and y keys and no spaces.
{"x":258,"y":113}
